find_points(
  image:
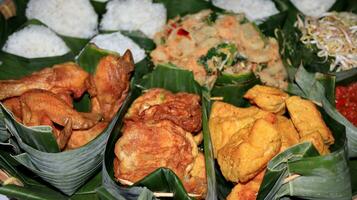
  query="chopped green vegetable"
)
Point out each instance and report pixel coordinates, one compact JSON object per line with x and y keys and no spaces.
{"x":220,"y":57}
{"x":211,"y":18}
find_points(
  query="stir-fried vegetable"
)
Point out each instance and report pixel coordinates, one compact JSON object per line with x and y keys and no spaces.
{"x":220,"y":57}
{"x":335,"y":36}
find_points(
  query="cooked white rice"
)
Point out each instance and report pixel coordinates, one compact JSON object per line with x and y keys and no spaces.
{"x":253,"y":9}
{"x":119,"y":43}
{"x":314,"y":8}
{"x":131,"y":15}
{"x":75,"y":18}
{"x":35,"y":41}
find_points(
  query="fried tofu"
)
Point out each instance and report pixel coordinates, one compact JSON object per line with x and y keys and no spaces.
{"x":288,"y":133}
{"x":242,"y":160}
{"x":307,"y":119}
{"x":227,"y":120}
{"x":247,"y":191}
{"x":267,"y":98}
{"x":316,"y":139}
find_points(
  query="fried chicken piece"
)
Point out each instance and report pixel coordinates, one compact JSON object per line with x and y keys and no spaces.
{"x":145,"y":147}
{"x":267,"y":98}
{"x":109,"y":85}
{"x":316,"y":139}
{"x":62,"y":135}
{"x":247,"y":191}
{"x":241,"y":160}
{"x":196,"y":182}
{"x":67,"y":78}
{"x":182,"y":108}
{"x":227,"y":120}
{"x":80,"y":138}
{"x":307,"y":119}
{"x":288,"y":133}
{"x":39,"y":104}
{"x":13,"y":104}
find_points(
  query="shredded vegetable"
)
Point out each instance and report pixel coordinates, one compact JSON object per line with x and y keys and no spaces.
{"x":335,"y":36}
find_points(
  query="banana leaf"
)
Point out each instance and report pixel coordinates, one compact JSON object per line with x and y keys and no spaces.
{"x":183,"y":7}
{"x":34,"y":188}
{"x":162,"y":180}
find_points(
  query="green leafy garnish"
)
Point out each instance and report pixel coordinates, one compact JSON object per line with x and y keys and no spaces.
{"x":220,"y":57}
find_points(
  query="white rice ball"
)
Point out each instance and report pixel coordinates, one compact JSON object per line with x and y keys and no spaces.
{"x":74,"y":18}
{"x":119,"y":43}
{"x":253,"y":9}
{"x":314,"y":8}
{"x":35,"y":41}
{"x":131,"y":15}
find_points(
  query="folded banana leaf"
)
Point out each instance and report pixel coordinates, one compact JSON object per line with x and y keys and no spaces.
{"x":300,"y":171}
{"x":33,"y":188}
{"x":161,"y":180}
{"x":67,"y":170}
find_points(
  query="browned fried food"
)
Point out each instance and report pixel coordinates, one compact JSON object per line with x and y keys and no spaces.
{"x":242,"y":160}
{"x":13,"y":104}
{"x":316,"y":139}
{"x":182,"y":108}
{"x":247,"y":191}
{"x":196,"y":181}
{"x":82,"y":137}
{"x":267,"y":98}
{"x":308,"y":119}
{"x":145,"y":146}
{"x":226,"y":120}
{"x":109,"y":85}
{"x":288,"y":133}
{"x":66,"y":79}
{"x":39,"y":104}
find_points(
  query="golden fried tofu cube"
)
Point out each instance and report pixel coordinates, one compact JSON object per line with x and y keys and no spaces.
{"x":288,"y":133}
{"x":316,"y":139}
{"x":307,"y":118}
{"x":267,"y":98}
{"x":247,"y":191}
{"x":226,"y":120}
{"x":242,"y":160}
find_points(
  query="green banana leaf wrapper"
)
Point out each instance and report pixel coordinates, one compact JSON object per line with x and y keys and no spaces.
{"x":163,"y":179}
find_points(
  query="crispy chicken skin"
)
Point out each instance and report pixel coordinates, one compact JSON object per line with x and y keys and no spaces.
{"x":13,"y":104}
{"x":308,"y":119}
{"x":82,"y":137}
{"x":182,"y":108}
{"x":67,"y":78}
{"x":145,"y":146}
{"x":267,"y":98}
{"x":39,"y":104}
{"x":288,"y":133}
{"x":109,"y":85}
{"x":226,"y":120}
{"x":247,"y":191}
{"x":242,"y":160}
